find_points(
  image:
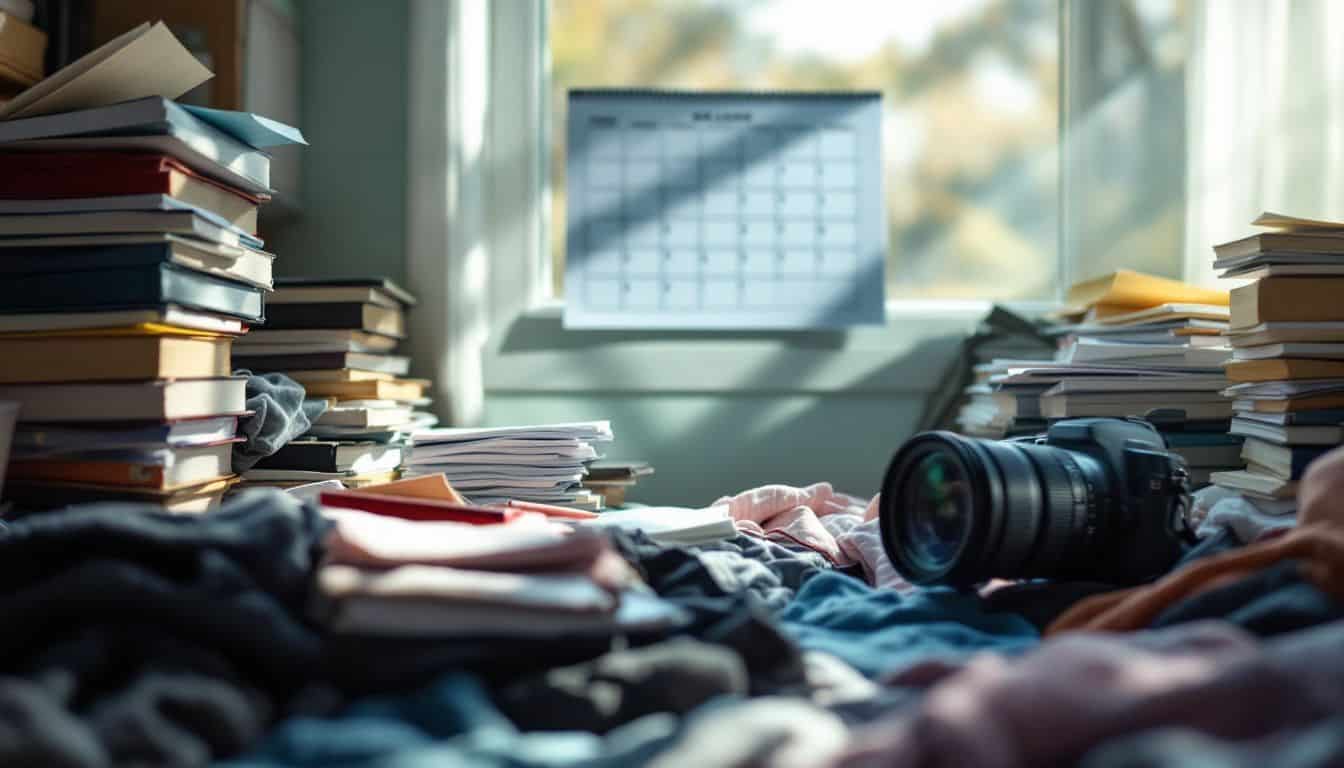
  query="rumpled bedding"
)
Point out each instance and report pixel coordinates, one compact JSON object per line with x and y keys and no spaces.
{"x":138,"y":638}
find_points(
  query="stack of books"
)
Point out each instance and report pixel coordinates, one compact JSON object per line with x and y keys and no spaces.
{"x":1287,"y":337}
{"x":494,"y":465}
{"x":614,"y":480}
{"x":336,"y":337}
{"x":1134,"y":345}
{"x":23,"y":48}
{"x":128,"y":265}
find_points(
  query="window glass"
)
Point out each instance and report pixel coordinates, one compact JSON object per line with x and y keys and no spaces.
{"x":971,"y":99}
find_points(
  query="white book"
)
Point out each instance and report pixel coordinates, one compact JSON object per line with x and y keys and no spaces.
{"x":1197,"y":383}
{"x":1318,"y":351}
{"x":187,"y":223}
{"x":169,"y":315}
{"x":585,"y":430}
{"x":672,"y":525}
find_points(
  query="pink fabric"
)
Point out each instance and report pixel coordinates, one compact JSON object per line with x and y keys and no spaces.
{"x":842,"y":528}
{"x":1052,"y":705}
{"x":527,"y":545}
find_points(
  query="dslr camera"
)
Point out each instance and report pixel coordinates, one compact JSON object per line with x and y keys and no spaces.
{"x":1098,"y":499}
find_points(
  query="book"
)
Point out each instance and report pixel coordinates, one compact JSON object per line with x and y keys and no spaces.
{"x":332,"y":456}
{"x":418,"y":508}
{"x":168,"y":315}
{"x":400,"y":389}
{"x":1190,"y":383}
{"x":1332,"y":418}
{"x":1197,"y":406}
{"x":35,"y":440}
{"x":1287,"y":299}
{"x":143,"y":61}
{"x":363,"y":418}
{"x":1278,"y":242}
{"x":374,"y":290}
{"x":1267,"y":486}
{"x":1086,"y":351}
{"x":289,"y":478}
{"x":670,"y":525}
{"x":1115,"y":319}
{"x":1127,"y":288}
{"x":106,"y":358}
{"x":165,"y":468}
{"x":1282,"y":266}
{"x":1205,"y":449}
{"x":204,"y":497}
{"x":64,"y":175}
{"x":127,"y":401}
{"x":245,"y":265}
{"x":22,"y":48}
{"x":1331,"y":401}
{"x":183,"y":222}
{"x":312,"y":341}
{"x":365,"y":317}
{"x":221,"y":159}
{"x":128,"y":287}
{"x":1287,"y":333}
{"x":300,"y":363}
{"x":1286,"y":462}
{"x":1317,"y":351}
{"x":341,"y":375}
{"x":1283,"y":369}
{"x":1287,"y":434}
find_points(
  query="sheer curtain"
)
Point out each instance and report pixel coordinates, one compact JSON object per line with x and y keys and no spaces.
{"x":1266,"y":118}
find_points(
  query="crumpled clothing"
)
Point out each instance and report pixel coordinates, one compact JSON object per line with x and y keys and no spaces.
{"x":1074,"y":693}
{"x":164,"y":639}
{"x":674,"y":676}
{"x":1319,"y":548}
{"x":1244,"y":517}
{"x":279,"y":414}
{"x":774,"y":731}
{"x":1270,"y":602}
{"x":881,"y":631}
{"x":842,"y":528}
{"x":1318,"y":746}
{"x":451,"y":722}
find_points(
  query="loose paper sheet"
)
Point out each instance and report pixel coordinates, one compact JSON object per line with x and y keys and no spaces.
{"x":146,"y":61}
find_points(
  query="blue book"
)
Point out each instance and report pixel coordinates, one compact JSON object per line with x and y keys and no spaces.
{"x":108,"y":252}
{"x":127,"y":287}
{"x":151,"y":123}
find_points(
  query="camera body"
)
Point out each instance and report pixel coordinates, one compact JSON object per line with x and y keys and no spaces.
{"x":1092,"y":499}
{"x":1144,"y":515}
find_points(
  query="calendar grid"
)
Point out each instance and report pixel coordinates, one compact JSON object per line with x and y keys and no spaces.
{"x":675,"y":218}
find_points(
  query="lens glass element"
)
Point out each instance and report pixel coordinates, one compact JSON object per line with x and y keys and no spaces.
{"x":936,"y":511}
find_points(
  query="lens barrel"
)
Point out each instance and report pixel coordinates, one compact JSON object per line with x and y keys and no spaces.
{"x":959,"y":511}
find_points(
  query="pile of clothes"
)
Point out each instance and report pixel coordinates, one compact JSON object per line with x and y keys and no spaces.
{"x":138,"y":638}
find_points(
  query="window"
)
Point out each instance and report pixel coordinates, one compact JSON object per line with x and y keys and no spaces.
{"x":972,"y":91}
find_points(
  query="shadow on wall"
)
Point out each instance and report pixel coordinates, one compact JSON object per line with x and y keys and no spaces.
{"x":707,"y":441}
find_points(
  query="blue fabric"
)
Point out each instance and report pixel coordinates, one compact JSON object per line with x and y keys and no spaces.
{"x":452,"y":722}
{"x":882,"y":631}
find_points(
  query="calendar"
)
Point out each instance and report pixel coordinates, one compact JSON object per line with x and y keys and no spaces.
{"x":718,"y":210}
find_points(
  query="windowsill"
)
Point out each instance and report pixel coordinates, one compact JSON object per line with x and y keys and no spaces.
{"x":907,"y":355}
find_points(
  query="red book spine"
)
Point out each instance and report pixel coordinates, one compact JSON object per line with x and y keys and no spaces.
{"x":408,"y":508}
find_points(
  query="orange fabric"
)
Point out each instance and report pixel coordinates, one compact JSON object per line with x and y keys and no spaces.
{"x":1319,"y":547}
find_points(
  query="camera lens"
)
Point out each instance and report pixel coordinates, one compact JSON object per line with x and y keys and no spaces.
{"x":959,"y":511}
{"x":937,"y":511}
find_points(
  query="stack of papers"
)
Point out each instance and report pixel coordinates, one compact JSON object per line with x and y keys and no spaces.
{"x":540,"y":463}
